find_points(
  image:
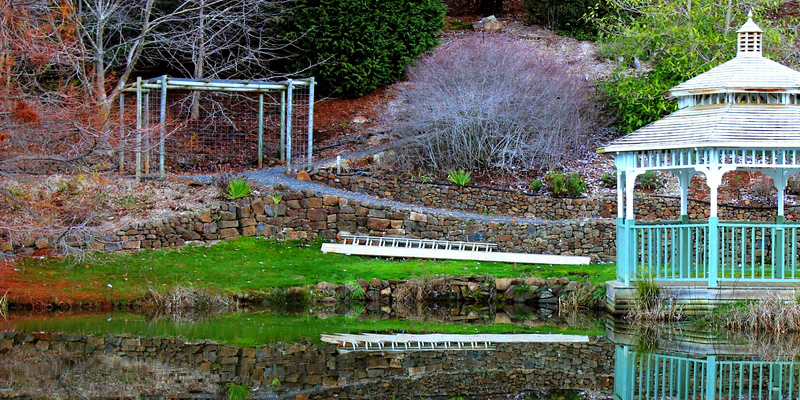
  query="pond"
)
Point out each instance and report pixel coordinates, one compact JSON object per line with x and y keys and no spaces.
{"x":279,"y":355}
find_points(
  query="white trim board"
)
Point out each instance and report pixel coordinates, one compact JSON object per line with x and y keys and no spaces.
{"x":519,"y":258}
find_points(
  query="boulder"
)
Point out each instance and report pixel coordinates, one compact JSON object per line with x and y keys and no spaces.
{"x":490,"y":23}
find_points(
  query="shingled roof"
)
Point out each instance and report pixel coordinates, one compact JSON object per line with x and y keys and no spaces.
{"x":719,"y":125}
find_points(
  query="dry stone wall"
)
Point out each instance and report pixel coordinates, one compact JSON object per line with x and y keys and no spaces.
{"x":312,"y":371}
{"x":520,"y":204}
{"x":310,"y":215}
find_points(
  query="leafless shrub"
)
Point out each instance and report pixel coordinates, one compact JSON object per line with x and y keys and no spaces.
{"x":763,"y":188}
{"x":490,"y":103}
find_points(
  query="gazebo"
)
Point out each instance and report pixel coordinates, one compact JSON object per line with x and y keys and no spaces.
{"x":741,"y":115}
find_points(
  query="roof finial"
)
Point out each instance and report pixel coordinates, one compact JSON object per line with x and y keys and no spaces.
{"x":749,"y":37}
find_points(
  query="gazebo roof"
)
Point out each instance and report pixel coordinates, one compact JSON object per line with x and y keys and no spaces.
{"x":719,"y":125}
{"x":742,"y":74}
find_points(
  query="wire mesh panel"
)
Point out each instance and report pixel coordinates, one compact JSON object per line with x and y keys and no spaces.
{"x":299,"y":125}
{"x":209,"y":126}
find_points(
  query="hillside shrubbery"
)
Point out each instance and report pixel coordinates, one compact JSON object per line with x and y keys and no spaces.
{"x":674,"y":44}
{"x":571,"y":17}
{"x":354,"y":47}
{"x":490,"y":103}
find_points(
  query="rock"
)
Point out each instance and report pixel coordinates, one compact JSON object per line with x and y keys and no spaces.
{"x":359,"y":119}
{"x":326,"y":286}
{"x":6,"y":247}
{"x":489,"y":23}
{"x":386,"y":292}
{"x":303,"y":176}
{"x":502,"y":318}
{"x":502,"y":284}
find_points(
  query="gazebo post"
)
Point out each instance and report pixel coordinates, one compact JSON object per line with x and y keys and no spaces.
{"x":621,"y":229}
{"x":630,"y":257}
{"x":684,"y":177}
{"x":626,"y":224}
{"x":713,"y":180}
{"x":780,"y":178}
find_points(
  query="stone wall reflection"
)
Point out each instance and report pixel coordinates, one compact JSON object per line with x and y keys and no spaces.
{"x":315,"y":371}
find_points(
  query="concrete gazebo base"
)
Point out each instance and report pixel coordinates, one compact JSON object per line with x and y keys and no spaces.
{"x":696,"y":298}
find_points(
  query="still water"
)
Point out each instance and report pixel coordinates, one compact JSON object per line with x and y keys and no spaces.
{"x":275,"y":355}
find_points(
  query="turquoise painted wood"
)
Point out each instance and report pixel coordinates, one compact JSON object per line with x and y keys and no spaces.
{"x":713,"y":251}
{"x":665,"y":376}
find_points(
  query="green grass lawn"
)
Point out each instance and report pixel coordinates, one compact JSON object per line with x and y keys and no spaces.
{"x":253,"y":264}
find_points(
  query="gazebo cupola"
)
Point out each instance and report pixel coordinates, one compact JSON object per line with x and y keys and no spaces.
{"x":741,"y":115}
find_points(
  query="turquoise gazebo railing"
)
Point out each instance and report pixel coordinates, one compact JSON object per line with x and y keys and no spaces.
{"x":664,"y":376}
{"x":738,"y":251}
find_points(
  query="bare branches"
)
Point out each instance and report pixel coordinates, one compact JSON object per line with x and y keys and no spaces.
{"x":491,"y":103}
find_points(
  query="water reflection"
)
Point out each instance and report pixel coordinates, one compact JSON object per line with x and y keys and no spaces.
{"x":686,"y":364}
{"x":271,"y":354}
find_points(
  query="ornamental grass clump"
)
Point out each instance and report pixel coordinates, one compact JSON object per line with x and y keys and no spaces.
{"x":774,"y":314}
{"x":650,"y":305}
{"x":460,"y":178}
{"x":490,"y":103}
{"x":238,"y":188}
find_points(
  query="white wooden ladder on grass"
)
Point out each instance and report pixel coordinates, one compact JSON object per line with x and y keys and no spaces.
{"x":440,"y":249}
{"x":410,"y":243}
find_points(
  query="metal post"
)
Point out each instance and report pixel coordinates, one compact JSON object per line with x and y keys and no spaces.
{"x":163,"y":129}
{"x":146,"y":126}
{"x":260,"y":130}
{"x":311,"y":84}
{"x":283,"y":127}
{"x":138,"y":128}
{"x":122,"y":133}
{"x":289,"y":101}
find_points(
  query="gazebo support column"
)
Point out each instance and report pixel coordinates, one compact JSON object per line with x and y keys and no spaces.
{"x":622,"y":240}
{"x":780,"y":179}
{"x":684,"y":234}
{"x":713,"y":175}
{"x":629,"y":235}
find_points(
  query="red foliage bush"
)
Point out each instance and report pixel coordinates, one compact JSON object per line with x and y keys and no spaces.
{"x":24,"y":112}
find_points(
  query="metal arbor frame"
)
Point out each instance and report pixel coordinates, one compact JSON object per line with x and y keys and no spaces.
{"x":166,"y":83}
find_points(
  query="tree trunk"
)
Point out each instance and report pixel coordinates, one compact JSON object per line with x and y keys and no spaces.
{"x":491,"y":7}
{"x":199,"y":57}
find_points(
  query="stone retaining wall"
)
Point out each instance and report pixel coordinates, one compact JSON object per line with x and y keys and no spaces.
{"x":310,"y":215}
{"x":310,"y":371}
{"x":521,"y":204}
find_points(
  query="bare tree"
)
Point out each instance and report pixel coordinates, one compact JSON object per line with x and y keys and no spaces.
{"x":226,"y":39}
{"x":490,"y":103}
